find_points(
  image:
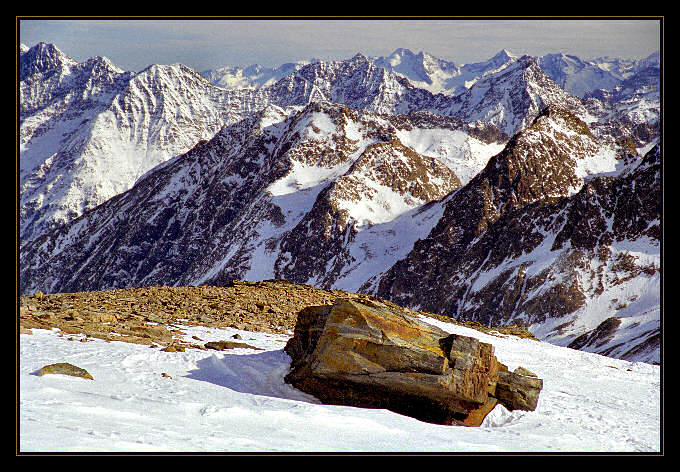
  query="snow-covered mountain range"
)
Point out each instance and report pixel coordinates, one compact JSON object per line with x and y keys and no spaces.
{"x":250,"y":77}
{"x":89,"y":131}
{"x":577,"y":76}
{"x":498,"y":200}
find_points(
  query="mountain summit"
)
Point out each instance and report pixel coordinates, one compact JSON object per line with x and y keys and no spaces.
{"x":512,"y":97}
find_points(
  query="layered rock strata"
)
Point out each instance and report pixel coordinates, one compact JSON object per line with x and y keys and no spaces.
{"x":364,"y":354}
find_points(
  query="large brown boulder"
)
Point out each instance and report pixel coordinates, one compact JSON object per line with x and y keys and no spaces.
{"x":368,"y":354}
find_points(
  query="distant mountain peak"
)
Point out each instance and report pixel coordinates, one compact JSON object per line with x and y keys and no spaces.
{"x":407,"y":53}
{"x":43,"y":46}
{"x":103,"y":61}
{"x":504,"y":54}
{"x":359,"y":57}
{"x":511,"y":96}
{"x":43,"y":57}
{"x":402,"y":52}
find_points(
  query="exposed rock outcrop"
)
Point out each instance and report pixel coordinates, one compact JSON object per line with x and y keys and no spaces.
{"x":365,"y":354}
{"x":64,"y":368}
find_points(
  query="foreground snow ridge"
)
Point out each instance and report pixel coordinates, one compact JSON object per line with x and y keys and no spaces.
{"x":237,"y":401}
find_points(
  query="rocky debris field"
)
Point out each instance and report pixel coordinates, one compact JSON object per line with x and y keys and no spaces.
{"x":155,"y":315}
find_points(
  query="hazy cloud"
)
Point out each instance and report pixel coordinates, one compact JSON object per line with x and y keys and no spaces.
{"x":204,"y":44}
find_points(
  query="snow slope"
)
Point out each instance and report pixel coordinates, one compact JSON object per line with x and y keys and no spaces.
{"x":237,"y":401}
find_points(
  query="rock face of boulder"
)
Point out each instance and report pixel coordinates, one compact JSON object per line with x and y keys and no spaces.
{"x":518,"y":390}
{"x":366,"y":354}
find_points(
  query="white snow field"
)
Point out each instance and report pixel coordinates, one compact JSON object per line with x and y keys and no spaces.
{"x":237,"y":401}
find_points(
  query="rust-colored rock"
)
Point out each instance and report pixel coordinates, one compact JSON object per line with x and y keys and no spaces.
{"x":518,"y":392}
{"x":173,"y":349}
{"x":367,"y":354}
{"x":224,"y":345}
{"x":477,"y":415}
{"x":64,"y":368}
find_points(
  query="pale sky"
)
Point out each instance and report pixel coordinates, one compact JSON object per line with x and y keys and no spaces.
{"x":210,"y":43}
